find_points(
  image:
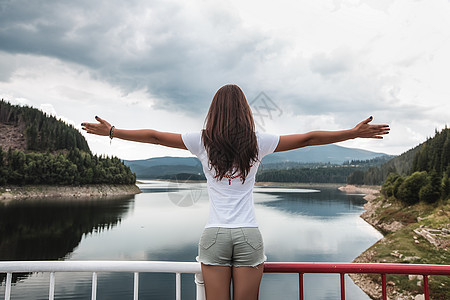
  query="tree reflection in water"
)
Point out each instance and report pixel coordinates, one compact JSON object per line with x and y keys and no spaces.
{"x":51,"y":229}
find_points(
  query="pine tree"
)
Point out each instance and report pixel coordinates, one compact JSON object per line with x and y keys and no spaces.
{"x":431,"y":191}
{"x":445,"y":156}
{"x":3,"y":171}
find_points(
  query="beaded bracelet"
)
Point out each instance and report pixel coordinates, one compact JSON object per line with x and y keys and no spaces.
{"x":111,"y":132}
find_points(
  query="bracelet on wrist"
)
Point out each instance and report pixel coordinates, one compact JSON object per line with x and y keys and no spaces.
{"x":111,"y":132}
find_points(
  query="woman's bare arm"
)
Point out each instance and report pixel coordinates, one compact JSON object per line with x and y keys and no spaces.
{"x":314,"y":138}
{"x":151,"y":136}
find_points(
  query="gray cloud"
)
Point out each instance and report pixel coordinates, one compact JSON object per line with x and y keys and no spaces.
{"x":337,"y":62}
{"x":174,"y":54}
{"x":181,"y":53}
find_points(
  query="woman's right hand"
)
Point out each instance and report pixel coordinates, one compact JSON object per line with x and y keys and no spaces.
{"x":151,"y":136}
{"x":101,"y":128}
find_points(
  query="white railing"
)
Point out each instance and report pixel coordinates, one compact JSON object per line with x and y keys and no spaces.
{"x":94,"y":267}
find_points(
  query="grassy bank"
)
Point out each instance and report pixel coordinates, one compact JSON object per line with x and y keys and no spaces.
{"x":418,"y":234}
{"x":10,"y":193}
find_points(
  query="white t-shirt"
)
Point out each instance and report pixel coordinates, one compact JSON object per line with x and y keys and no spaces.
{"x":231,"y":202}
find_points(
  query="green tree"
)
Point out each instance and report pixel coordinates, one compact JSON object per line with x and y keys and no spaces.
{"x":356,"y":177}
{"x":31,"y":134}
{"x":373,"y":176}
{"x":388,"y":187}
{"x":3,"y":171}
{"x":446,"y":184}
{"x":408,"y":191}
{"x":445,"y":156}
{"x":397,"y":183}
{"x":431,"y":191}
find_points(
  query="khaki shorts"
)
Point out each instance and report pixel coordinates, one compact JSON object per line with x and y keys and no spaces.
{"x":237,"y":247}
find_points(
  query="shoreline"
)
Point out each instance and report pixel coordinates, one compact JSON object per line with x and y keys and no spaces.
{"x":411,"y":234}
{"x":31,"y":192}
{"x":373,"y":190}
{"x":369,"y":287}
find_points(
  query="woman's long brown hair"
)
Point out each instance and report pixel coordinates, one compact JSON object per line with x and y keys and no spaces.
{"x":229,"y":134}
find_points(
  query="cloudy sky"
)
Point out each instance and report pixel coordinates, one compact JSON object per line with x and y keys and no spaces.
{"x":303,"y":65}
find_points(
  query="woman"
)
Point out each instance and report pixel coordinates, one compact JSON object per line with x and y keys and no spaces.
{"x":230,"y":151}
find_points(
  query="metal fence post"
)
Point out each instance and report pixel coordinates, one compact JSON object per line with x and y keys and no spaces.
{"x":200,"y":286}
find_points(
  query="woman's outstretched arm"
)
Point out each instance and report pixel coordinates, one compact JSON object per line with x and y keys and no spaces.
{"x":139,"y":135}
{"x":314,"y":138}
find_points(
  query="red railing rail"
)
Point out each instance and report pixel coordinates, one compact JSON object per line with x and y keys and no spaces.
{"x":352,"y":268}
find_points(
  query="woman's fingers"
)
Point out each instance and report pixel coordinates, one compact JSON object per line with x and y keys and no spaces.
{"x":100,"y":120}
{"x":100,"y":128}
{"x":104,"y":122}
{"x":383,"y":129}
{"x":379,"y":131}
{"x":88,"y":126}
{"x":368,"y":120}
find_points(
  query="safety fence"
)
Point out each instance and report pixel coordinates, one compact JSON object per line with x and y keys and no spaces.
{"x":178,"y":268}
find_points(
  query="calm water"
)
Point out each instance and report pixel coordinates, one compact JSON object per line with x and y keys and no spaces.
{"x":164,"y":223}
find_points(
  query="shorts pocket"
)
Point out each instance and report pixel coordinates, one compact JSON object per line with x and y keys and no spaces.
{"x":209,"y":237}
{"x":253,"y":237}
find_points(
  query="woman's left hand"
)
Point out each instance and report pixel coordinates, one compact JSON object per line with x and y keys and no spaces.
{"x":366,"y":130}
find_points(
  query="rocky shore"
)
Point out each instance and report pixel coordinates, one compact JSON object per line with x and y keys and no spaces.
{"x":12,"y":193}
{"x":411,"y":235}
{"x":370,"y":287}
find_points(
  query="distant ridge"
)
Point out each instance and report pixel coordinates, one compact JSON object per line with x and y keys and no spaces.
{"x":164,"y":167}
{"x":333,"y":154}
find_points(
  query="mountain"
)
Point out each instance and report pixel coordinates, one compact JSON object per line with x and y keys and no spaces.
{"x":160,"y":167}
{"x":333,"y":154}
{"x":164,"y":167}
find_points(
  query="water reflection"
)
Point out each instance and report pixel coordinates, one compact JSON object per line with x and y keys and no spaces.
{"x":51,"y":229}
{"x":326,"y":203}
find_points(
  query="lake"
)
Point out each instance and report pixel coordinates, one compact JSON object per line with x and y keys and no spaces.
{"x":164,"y":223}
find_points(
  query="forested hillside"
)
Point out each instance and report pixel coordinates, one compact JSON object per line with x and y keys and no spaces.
{"x":319,"y":174}
{"x":316,"y":173}
{"x":52,"y":152}
{"x":429,"y":177}
{"x":376,"y":175}
{"x":42,"y":132}
{"x":434,"y":154}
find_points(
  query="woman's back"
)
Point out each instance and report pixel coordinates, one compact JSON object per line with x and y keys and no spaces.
{"x":231,"y":198}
